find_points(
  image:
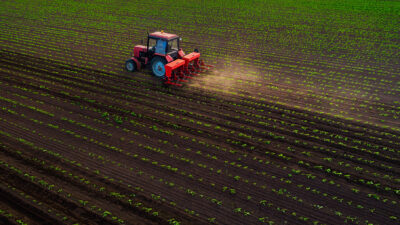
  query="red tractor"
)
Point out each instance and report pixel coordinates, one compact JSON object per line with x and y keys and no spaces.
{"x":167,"y":61}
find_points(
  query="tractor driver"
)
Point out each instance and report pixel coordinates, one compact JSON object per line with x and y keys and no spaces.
{"x":158,"y":46}
{"x":152,"y":45}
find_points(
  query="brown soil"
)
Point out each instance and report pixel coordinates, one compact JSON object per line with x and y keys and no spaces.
{"x":166,"y":126}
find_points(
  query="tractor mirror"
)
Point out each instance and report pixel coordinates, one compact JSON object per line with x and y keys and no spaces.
{"x":141,"y":41}
{"x":180,"y":39}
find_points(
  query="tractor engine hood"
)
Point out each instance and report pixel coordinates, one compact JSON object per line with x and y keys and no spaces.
{"x":139,"y":48}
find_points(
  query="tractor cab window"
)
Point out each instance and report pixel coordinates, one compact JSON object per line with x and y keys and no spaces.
{"x":172,"y":45}
{"x":161,"y":46}
{"x":152,"y":44}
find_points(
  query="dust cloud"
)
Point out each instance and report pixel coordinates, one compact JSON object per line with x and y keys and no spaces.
{"x":234,"y":79}
{"x":229,"y":76}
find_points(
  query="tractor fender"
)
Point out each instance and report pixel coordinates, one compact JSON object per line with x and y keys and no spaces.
{"x":181,"y":53}
{"x":137,"y":63}
{"x":169,"y":58}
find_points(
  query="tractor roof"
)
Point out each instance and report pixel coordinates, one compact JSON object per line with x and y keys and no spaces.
{"x":163,"y":35}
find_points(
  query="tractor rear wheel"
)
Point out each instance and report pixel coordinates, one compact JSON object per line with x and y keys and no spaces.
{"x":130,"y":65}
{"x":158,"y":66}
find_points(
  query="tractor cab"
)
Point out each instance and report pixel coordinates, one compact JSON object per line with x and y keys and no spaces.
{"x":162,"y":44}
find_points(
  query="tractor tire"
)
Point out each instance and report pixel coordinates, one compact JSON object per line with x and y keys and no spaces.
{"x":130,"y":65}
{"x":158,"y":66}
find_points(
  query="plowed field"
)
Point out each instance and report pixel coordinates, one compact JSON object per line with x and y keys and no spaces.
{"x":298,"y":123}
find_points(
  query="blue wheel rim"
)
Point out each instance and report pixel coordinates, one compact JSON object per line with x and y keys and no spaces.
{"x":159,"y":69}
{"x":129,"y":66}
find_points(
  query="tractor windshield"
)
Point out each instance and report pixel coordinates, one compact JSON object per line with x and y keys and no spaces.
{"x":172,"y":45}
{"x":152,"y":42}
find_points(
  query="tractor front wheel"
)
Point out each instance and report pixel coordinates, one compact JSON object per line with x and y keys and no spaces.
{"x":130,"y":65}
{"x":158,"y":66}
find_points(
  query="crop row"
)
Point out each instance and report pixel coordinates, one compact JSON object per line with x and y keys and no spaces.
{"x":378,"y":107}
